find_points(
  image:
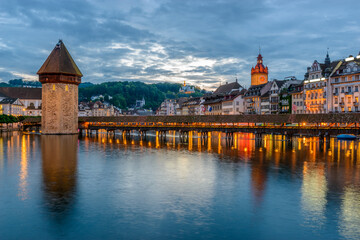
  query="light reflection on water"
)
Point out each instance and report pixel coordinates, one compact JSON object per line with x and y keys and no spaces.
{"x":114,"y":186}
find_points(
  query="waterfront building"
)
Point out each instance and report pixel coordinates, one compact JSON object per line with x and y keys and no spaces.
{"x":233,"y":103}
{"x":192,"y":106}
{"x":280,"y":100}
{"x":213,"y":103}
{"x":276,"y":87}
{"x":179,"y":105}
{"x":316,"y":86}
{"x":60,"y":78}
{"x":167,"y":108}
{"x":29,"y":97}
{"x":253,"y":95}
{"x":227,"y":88}
{"x":265,"y":103}
{"x":345,"y":84}
{"x":297,"y":98}
{"x":97,"y":109}
{"x":259,"y":73}
{"x":12,"y":106}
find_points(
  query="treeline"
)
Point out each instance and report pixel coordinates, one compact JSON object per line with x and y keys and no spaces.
{"x":10,"y":119}
{"x":124,"y":94}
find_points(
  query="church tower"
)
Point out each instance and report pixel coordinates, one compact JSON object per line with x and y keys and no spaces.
{"x":60,"y":78}
{"x":259,"y":73}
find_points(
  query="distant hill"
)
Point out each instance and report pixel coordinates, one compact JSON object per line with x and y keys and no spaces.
{"x":124,"y":94}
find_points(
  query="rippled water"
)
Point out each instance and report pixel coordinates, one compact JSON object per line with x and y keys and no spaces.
{"x":65,"y":187}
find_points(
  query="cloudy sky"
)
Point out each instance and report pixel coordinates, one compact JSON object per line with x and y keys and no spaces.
{"x":204,"y":42}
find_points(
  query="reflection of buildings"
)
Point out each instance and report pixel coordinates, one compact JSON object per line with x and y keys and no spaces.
{"x":59,"y":166}
{"x":258,"y":181}
{"x":314,"y":190}
{"x":350,"y":217}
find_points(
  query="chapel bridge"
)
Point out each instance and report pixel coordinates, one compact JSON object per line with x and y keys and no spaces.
{"x":287,"y":124}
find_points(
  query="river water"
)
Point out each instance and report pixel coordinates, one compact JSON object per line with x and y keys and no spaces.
{"x":67,"y":187}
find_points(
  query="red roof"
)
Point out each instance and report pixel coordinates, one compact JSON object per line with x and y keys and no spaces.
{"x":259,"y":68}
{"x":60,"y":61}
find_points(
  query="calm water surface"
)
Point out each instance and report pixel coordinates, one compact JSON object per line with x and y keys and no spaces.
{"x":65,"y":187}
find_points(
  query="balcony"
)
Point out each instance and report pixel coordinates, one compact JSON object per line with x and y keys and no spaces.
{"x":336,"y":93}
{"x":356,"y":103}
{"x":342,"y":104}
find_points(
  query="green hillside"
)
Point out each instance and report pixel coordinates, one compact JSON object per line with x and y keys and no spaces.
{"x":125,"y":94}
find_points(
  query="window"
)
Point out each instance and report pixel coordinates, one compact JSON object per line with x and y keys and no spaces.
{"x":66,"y":88}
{"x":356,"y":88}
{"x":342,"y":89}
{"x":336,"y":80}
{"x":349,"y":109}
{"x":349,"y":99}
{"x":349,"y":89}
{"x":53,"y":87}
{"x":356,"y":99}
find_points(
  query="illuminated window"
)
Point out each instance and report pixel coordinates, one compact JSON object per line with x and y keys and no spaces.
{"x":66,"y":88}
{"x":53,"y":87}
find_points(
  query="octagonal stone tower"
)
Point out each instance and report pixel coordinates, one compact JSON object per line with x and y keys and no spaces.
{"x":60,"y":78}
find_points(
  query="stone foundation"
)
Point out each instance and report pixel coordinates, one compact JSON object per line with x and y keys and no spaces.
{"x":59,"y":108}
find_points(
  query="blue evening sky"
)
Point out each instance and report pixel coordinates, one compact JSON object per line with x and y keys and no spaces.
{"x":204,"y":42}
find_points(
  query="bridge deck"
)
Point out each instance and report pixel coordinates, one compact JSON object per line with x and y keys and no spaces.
{"x":286,"y":123}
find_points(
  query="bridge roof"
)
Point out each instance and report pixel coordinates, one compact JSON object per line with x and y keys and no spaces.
{"x":277,"y":119}
{"x":281,"y":118}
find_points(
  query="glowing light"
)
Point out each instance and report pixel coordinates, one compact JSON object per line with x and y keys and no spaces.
{"x":349,"y":59}
{"x":23,"y":170}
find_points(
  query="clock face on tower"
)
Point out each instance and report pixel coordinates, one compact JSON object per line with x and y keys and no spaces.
{"x":262,"y":79}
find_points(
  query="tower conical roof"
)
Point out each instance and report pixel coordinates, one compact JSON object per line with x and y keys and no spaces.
{"x":60,"y":62}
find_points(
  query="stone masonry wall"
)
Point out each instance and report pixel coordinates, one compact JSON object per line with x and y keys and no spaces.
{"x":59,"y":108}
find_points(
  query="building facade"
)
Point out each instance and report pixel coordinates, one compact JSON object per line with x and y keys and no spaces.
{"x":167,"y":107}
{"x":12,"y":106}
{"x":29,"y":97}
{"x":297,"y":98}
{"x":345,"y":84}
{"x":316,"y":86}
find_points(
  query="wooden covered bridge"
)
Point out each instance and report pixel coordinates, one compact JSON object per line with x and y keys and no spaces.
{"x":287,"y":124}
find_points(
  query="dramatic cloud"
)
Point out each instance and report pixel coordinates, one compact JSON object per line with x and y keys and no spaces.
{"x":202,"y":42}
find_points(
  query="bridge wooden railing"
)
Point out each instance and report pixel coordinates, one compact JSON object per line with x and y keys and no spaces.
{"x":344,"y":118}
{"x":275,"y":119}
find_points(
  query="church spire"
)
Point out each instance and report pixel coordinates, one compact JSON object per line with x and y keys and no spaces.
{"x":327,"y":59}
